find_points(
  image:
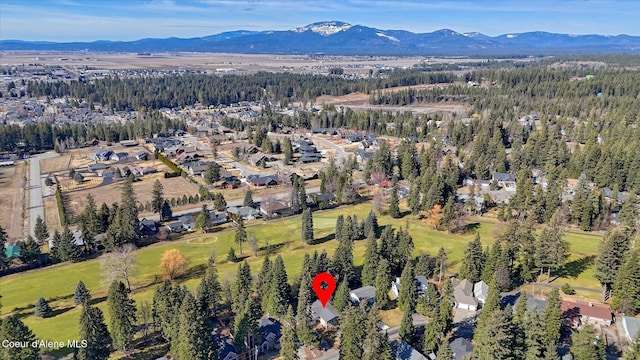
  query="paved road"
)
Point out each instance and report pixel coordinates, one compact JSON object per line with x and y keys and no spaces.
{"x":340,"y":154}
{"x":36,"y":207}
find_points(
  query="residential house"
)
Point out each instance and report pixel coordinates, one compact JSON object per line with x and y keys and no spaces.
{"x":12,"y":251}
{"x":314,"y":199}
{"x":231,"y":182}
{"x":271,"y":332}
{"x":364,"y":294}
{"x":328,"y":316}
{"x":504,"y":180}
{"x":582,"y":312}
{"x":274,"y":208}
{"x":631,"y":327}
{"x":188,"y":223}
{"x":148,"y":227}
{"x":128,"y":143}
{"x":217,"y":218}
{"x":246,"y":212}
{"x":463,"y":295}
{"x":362,"y":156}
{"x":307,"y":158}
{"x":142,"y":155}
{"x":175,"y":226}
{"x":461,"y":347}
{"x":480,"y":291}
{"x":474,"y":182}
{"x":404,"y":351}
{"x":532,"y":302}
{"x":119,"y":156}
{"x":197,"y":168}
{"x":77,"y":239}
{"x":259,"y":158}
{"x":226,"y":349}
{"x":102,"y":155}
{"x":421,"y":283}
{"x":262,"y":181}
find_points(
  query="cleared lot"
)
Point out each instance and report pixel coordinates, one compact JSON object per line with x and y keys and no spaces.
{"x":12,"y":200}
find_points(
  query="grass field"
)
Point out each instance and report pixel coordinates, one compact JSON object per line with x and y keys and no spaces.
{"x":13,"y":199}
{"x":57,"y":283}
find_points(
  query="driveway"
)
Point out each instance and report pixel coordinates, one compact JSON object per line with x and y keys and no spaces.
{"x":36,"y":207}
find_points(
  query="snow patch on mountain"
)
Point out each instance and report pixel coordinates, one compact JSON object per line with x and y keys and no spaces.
{"x":511,"y":36}
{"x":324,"y":28}
{"x":387,"y":36}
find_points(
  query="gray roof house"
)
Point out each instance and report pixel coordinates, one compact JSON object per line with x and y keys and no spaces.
{"x":328,"y":315}
{"x":631,"y":327}
{"x":365,"y":293}
{"x":188,"y":223}
{"x":461,"y":347}
{"x":246,"y":212}
{"x":119,"y":156}
{"x":480,"y":291}
{"x":96,"y":167}
{"x":463,"y":294}
{"x":404,"y":351}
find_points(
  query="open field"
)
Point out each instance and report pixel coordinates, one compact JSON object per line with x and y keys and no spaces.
{"x":13,"y":199}
{"x":51,"y":214}
{"x":173,"y":187}
{"x":57,"y":283}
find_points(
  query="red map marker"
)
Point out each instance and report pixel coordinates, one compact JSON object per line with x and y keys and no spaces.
{"x":324,"y":284}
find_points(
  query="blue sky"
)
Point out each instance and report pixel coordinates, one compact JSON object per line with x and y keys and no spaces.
{"x":87,"y":20}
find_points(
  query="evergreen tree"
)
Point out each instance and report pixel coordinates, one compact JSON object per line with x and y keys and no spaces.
{"x":445,"y":352}
{"x":122,"y":312}
{"x":40,"y":230}
{"x":241,"y":233}
{"x":307,"y":226}
{"x":444,"y":316}
{"x":441,"y":263}
{"x":90,"y":224}
{"x":212,"y":173}
{"x":342,"y":263}
{"x":246,"y":324}
{"x":81,"y":295}
{"x":612,"y":251}
{"x":202,"y":218}
{"x":407,"y":292}
{"x":353,"y":333}
{"x":551,"y":247}
{"x":157,"y":197}
{"x":394,"y":202}
{"x":210,"y":291}
{"x":194,"y":341}
{"x":383,"y":282}
{"x":626,"y":288}
{"x":14,"y":330}
{"x":94,"y":330}
{"x":306,"y":334}
{"x":165,"y":212}
{"x":535,"y":336}
{"x":407,"y":330}
{"x":287,"y":148}
{"x":30,"y":250}
{"x":278,"y":294}
{"x":376,"y":345}
{"x":633,"y":351}
{"x":430,"y":338}
{"x":242,"y":288}
{"x":126,"y":226}
{"x":248,"y":199}
{"x":552,"y":317}
{"x":165,"y":308}
{"x":341,"y":299}
{"x":371,"y":260}
{"x":339,"y":226}
{"x":495,"y":339}
{"x":64,"y":246}
{"x":42,"y":308}
{"x":585,"y":345}
{"x":629,"y":215}
{"x":370,"y":224}
{"x":288,"y":341}
{"x":473,"y":262}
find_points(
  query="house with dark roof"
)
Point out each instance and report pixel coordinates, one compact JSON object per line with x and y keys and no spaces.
{"x":533,"y":303}
{"x":226,"y":349}
{"x":119,"y":156}
{"x":328,"y":316}
{"x":263,"y":181}
{"x":314,"y":199}
{"x":96,"y":167}
{"x":362,"y":156}
{"x":217,"y":218}
{"x":364,"y":294}
{"x":230,"y":182}
{"x":142,"y":155}
{"x":102,"y":155}
{"x":461,"y":347}
{"x":274,"y":208}
{"x":148,"y":227}
{"x":271,"y":332}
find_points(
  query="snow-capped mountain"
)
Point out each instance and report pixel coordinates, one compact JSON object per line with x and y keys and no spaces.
{"x":324,"y":28}
{"x":340,"y":38}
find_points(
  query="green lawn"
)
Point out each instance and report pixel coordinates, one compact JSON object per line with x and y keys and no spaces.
{"x":57,"y":283}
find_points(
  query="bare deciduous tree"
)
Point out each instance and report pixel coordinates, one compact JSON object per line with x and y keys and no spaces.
{"x":121,"y":263}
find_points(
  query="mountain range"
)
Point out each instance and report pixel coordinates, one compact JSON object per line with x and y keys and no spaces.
{"x":340,"y":38}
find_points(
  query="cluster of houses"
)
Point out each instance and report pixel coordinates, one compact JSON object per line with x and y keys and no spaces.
{"x":307,"y":150}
